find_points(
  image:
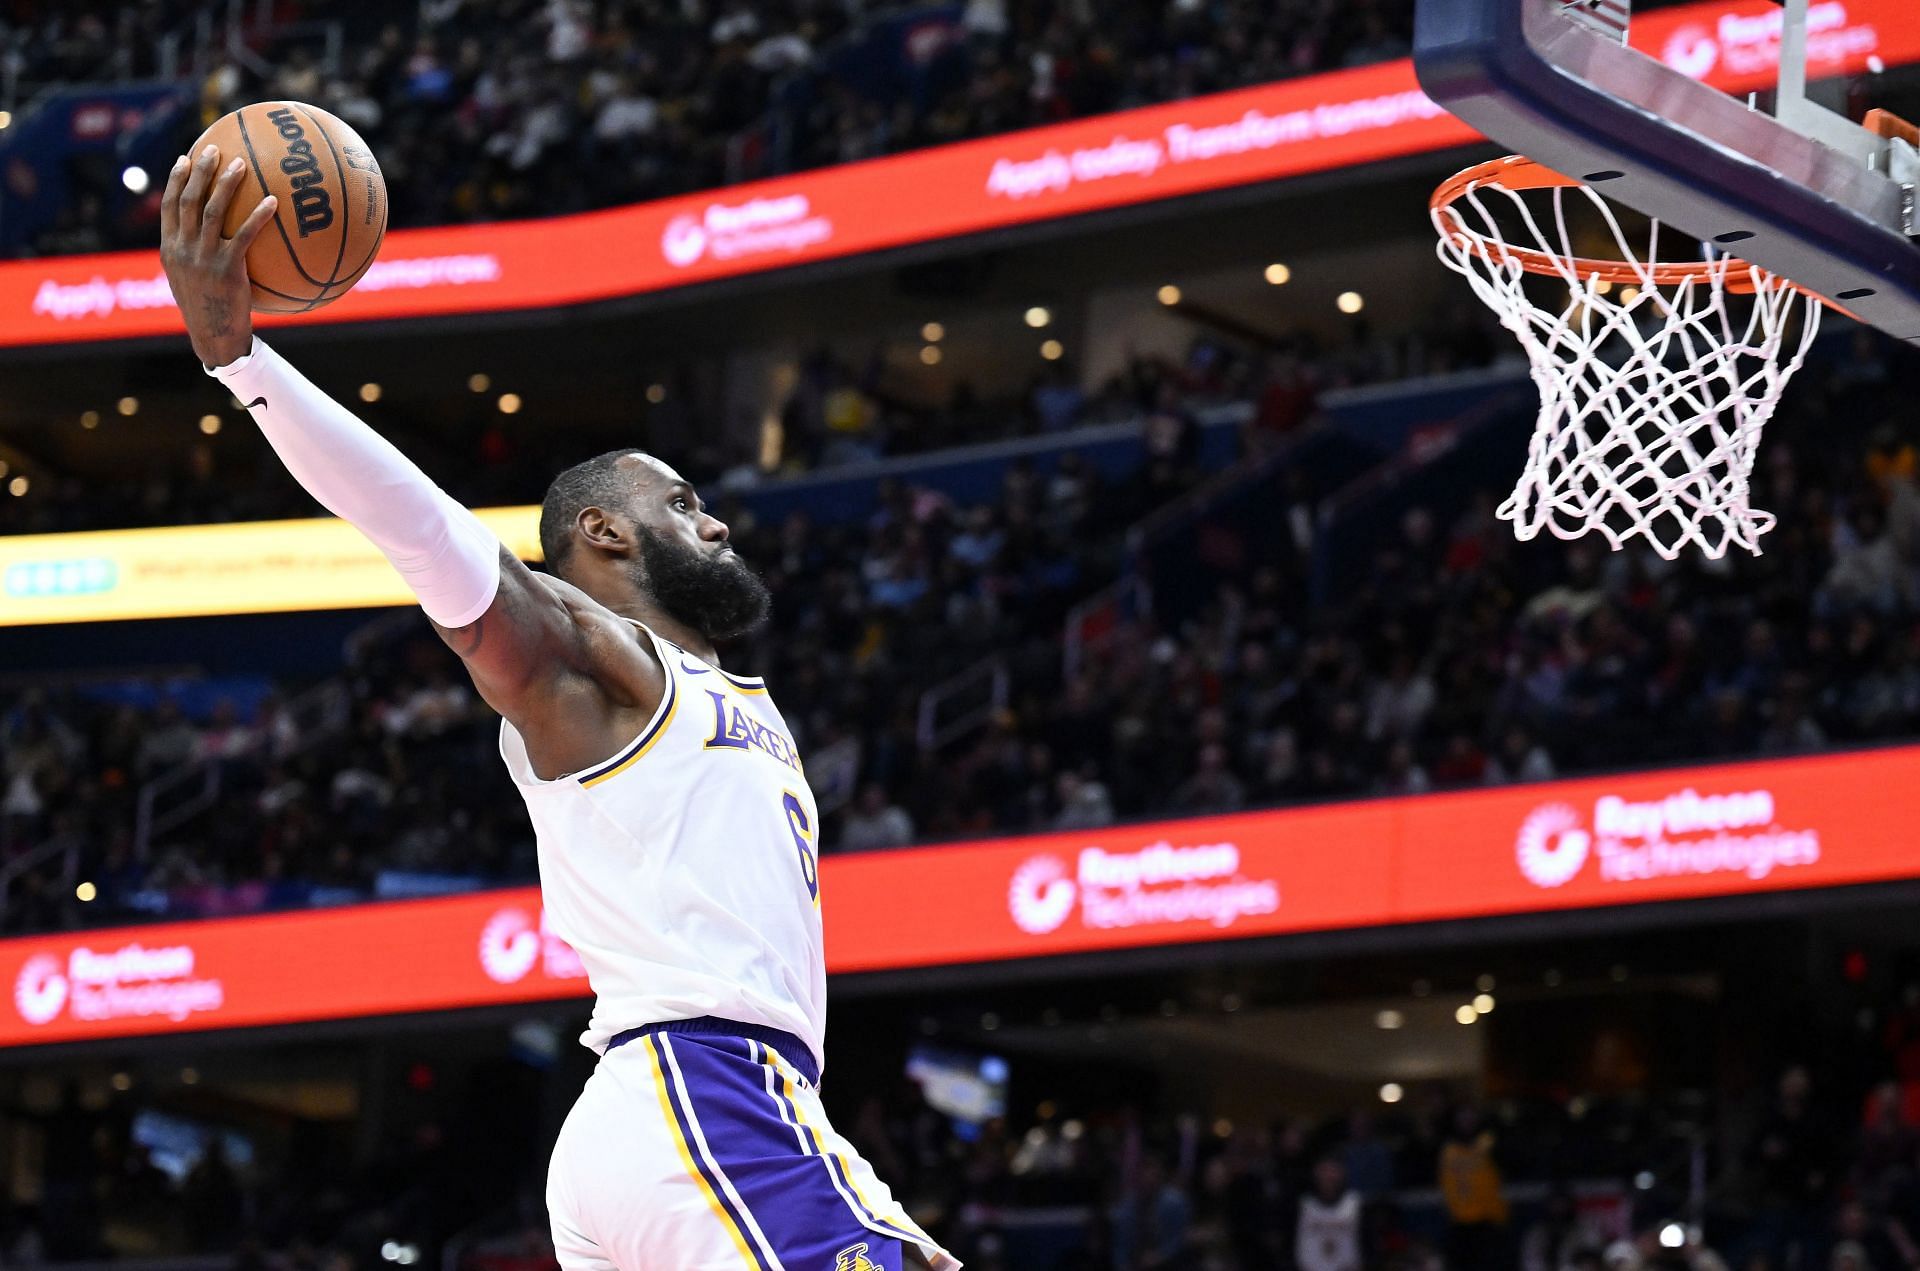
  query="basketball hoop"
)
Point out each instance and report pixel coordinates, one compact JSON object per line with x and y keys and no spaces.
{"x":1653,"y":393}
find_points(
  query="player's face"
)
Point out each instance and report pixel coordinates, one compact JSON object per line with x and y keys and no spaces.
{"x":666,"y":503}
{"x":686,"y":563}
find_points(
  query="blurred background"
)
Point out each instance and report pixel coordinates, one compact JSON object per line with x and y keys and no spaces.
{"x":1175,"y":508}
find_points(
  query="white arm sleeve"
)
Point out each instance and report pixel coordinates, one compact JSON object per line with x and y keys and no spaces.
{"x":443,"y":551}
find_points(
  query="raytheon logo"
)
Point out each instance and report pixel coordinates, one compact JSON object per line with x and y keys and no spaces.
{"x":1552,"y":846}
{"x":729,"y":231}
{"x":1157,"y":884}
{"x":127,"y":983}
{"x":509,"y":946}
{"x":512,"y":943}
{"x":41,"y":990}
{"x":1692,"y":51}
{"x":1041,"y":895}
{"x":684,"y":242}
{"x":1750,"y":44}
{"x":1685,"y":833}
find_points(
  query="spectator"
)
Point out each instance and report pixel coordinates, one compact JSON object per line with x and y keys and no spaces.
{"x":1212,"y":787}
{"x":1470,"y":1183}
{"x":168,"y":742}
{"x":1790,"y":1158}
{"x":1520,"y":758}
{"x":1366,"y":1157}
{"x":1151,"y":1219}
{"x":1083,"y":801}
{"x":1327,"y":1232}
{"x":874,"y":822}
{"x":1559,"y":1237}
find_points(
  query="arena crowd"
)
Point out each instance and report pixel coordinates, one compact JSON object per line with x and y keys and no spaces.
{"x":1456,"y":657}
{"x":1816,"y":1177}
{"x":493,"y":111}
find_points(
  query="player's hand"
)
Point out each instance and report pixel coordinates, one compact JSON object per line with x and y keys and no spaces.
{"x":207,"y":271}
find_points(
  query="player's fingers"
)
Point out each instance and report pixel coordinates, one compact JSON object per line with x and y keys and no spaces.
{"x":193,"y":195}
{"x":256,"y":221}
{"x":170,"y":200}
{"x":224,"y":187}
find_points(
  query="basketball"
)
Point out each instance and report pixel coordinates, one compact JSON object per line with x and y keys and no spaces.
{"x":333,"y":201}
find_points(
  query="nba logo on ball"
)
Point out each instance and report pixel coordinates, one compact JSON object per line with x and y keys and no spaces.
{"x":1040,"y":896}
{"x":684,"y":241}
{"x":41,"y":990}
{"x":509,"y":946}
{"x":1552,"y":845}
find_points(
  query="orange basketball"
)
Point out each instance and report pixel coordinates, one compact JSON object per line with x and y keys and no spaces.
{"x":333,"y":201}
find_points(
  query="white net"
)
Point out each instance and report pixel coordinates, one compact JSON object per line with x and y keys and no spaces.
{"x":1653,"y":393}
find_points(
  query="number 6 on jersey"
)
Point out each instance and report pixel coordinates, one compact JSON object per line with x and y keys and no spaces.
{"x":803,"y":840}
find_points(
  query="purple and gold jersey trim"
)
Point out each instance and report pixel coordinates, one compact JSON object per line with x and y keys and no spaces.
{"x":698,"y":1161}
{"x":697,"y":666}
{"x":778,"y":1184}
{"x":745,"y":683}
{"x":780,"y":1090}
{"x":640,"y":745}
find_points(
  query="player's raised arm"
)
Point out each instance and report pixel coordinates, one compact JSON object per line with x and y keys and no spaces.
{"x":515,"y":632}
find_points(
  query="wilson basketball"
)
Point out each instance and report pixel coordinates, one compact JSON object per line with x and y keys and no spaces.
{"x":333,"y":201}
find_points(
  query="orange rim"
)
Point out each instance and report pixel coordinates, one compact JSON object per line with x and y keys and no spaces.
{"x":1517,"y":172}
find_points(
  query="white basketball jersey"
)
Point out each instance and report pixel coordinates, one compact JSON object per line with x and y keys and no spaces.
{"x":683,"y":869}
{"x":1328,"y":1238}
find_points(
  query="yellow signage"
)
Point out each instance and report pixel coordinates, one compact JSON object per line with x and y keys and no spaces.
{"x":198,"y":570}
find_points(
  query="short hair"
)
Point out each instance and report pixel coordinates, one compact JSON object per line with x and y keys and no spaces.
{"x":591,"y":483}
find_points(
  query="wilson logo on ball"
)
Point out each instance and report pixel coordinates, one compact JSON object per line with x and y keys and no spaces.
{"x":312,"y":206}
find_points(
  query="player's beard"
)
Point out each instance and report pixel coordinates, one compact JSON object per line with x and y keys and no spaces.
{"x":712,"y":592}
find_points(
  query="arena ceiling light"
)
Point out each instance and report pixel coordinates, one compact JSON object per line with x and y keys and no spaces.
{"x":933,"y":332}
{"x":1169,"y":295}
{"x":1038,"y":316}
{"x":1278,"y":274}
{"x":135,"y":178}
{"x":1350,"y":302}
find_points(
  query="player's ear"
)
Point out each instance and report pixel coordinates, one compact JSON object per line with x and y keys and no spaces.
{"x":601,"y":529}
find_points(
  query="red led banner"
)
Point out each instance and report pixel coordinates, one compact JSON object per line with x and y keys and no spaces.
{"x":1265,"y":133}
{"x":1730,"y":830}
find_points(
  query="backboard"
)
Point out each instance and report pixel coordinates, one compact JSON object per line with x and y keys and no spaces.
{"x":1803,"y":193}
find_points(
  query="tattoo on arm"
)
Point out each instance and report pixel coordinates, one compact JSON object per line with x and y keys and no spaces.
{"x":219,"y":317}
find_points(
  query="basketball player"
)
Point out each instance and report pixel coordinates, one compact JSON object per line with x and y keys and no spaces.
{"x":676,"y":830}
